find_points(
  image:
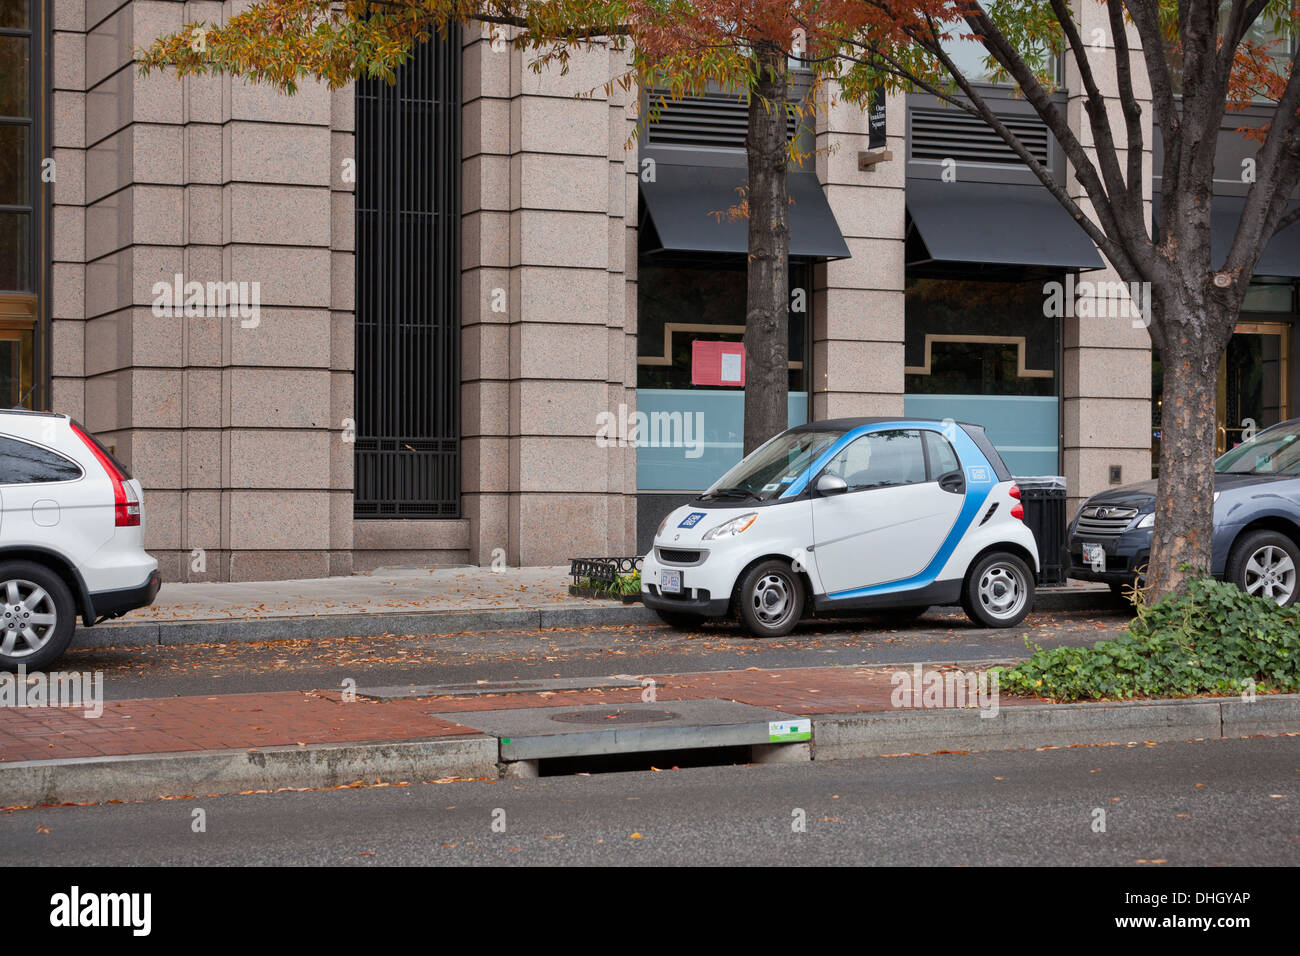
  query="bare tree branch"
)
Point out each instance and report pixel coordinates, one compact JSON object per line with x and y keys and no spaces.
{"x":1124,"y":257}
{"x":1278,"y":172}
{"x":1128,"y":102}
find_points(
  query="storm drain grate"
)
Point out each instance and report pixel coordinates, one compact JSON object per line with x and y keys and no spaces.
{"x":614,"y":715}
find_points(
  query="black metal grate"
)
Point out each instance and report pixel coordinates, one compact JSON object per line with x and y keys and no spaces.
{"x":408,"y":288}
{"x":710,"y":119}
{"x":948,"y":134}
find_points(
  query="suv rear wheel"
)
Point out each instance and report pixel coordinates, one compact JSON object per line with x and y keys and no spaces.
{"x":37,"y":616}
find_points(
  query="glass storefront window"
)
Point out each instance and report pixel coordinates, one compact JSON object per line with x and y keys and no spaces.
{"x":13,"y":13}
{"x":687,"y":433}
{"x":17,"y":366}
{"x":987,"y":353}
{"x":15,"y":250}
{"x":14,"y":165}
{"x":1271,"y":30}
{"x":1255,"y":383}
{"x":15,"y":64}
{"x":1269,"y":297}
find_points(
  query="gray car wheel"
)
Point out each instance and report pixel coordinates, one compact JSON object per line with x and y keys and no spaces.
{"x":1266,"y":564}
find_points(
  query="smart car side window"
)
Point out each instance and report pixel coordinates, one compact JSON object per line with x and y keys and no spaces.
{"x":22,"y":463}
{"x":881,"y":460}
{"x":942,"y":458}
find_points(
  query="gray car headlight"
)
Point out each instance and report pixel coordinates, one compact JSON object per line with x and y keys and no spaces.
{"x":1147,"y":521}
{"x":730,"y":528}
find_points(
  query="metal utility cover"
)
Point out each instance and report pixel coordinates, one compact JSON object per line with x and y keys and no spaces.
{"x":539,"y":733}
{"x":997,"y":224}
{"x":476,"y":689}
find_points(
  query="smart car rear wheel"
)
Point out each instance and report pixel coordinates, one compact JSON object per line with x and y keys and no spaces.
{"x":999,"y":590}
{"x":1264,"y":564}
{"x":36,"y":616}
{"x":771,"y":599}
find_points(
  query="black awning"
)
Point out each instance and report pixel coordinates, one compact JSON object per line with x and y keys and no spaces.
{"x":997,"y":224}
{"x":1282,"y":254}
{"x":682,"y":202}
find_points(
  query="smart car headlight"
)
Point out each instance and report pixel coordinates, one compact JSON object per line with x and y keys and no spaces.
{"x":733,"y":527}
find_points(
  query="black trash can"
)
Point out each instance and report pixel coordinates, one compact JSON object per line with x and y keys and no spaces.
{"x":1043,"y":498}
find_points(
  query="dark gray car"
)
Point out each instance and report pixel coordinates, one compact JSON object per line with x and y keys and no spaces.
{"x":1256,"y":521}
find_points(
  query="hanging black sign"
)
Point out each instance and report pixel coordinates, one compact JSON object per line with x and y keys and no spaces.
{"x":876,"y":119}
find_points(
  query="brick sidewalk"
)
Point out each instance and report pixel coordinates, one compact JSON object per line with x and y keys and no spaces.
{"x":286,"y":718}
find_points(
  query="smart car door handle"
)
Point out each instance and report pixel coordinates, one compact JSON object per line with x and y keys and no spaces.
{"x":954,"y":482}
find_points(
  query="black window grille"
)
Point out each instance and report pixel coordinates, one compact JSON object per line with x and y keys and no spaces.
{"x":407,"y":380}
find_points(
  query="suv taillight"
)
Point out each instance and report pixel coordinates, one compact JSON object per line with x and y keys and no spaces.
{"x":126,"y":506}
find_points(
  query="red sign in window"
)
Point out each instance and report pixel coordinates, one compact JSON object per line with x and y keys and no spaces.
{"x":718,"y":363}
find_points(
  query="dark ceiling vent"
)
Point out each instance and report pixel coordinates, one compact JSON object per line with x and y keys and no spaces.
{"x":948,"y":134}
{"x":713,"y":119}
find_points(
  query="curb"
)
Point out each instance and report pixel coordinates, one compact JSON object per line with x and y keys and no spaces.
{"x":372,"y":624}
{"x":1051,"y":725}
{"x":379,"y":623}
{"x":834,"y":737}
{"x":151,"y":776}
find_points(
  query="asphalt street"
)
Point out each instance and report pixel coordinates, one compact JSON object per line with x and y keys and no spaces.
{"x":1215,"y":803}
{"x":942,"y":635}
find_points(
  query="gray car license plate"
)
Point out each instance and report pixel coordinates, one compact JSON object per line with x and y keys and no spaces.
{"x":1094,"y":555}
{"x":670,"y":582}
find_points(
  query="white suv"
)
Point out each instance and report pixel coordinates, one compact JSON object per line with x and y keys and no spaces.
{"x":71,"y":537}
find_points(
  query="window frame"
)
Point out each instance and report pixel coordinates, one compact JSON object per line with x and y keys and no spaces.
{"x":852,"y":489}
{"x":27,"y":308}
{"x":81,"y":471}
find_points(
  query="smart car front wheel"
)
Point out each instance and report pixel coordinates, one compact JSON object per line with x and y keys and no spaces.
{"x":771,"y":599}
{"x":999,"y":590}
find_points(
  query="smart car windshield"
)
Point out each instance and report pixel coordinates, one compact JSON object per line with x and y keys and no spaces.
{"x":772,"y":467}
{"x":1274,"y":451}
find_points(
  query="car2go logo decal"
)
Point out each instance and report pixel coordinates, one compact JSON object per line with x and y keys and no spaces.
{"x":691,"y":520}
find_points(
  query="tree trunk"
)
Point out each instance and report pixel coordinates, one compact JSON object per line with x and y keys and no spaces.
{"x":767,"y":306}
{"x":1181,"y":542}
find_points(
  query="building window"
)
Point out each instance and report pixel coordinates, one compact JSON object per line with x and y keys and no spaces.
{"x":407,"y":378}
{"x":689,"y":320}
{"x":1272,"y":31}
{"x":985,"y":352}
{"x":971,"y":56}
{"x":23,"y":201}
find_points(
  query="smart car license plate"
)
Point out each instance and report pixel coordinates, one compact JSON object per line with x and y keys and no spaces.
{"x":1094,"y":555}
{"x":670,"y":582}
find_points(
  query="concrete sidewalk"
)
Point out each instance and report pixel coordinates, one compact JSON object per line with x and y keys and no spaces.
{"x":386,"y":601}
{"x":144,"y":749}
{"x":403,"y":601}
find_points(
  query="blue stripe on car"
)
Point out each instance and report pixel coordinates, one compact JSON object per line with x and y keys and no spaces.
{"x":977,"y":492}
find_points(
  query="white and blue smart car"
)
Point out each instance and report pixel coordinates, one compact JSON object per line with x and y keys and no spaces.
{"x":850,"y":514}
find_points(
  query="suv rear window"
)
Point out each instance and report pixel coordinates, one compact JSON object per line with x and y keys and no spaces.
{"x":22,"y":463}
